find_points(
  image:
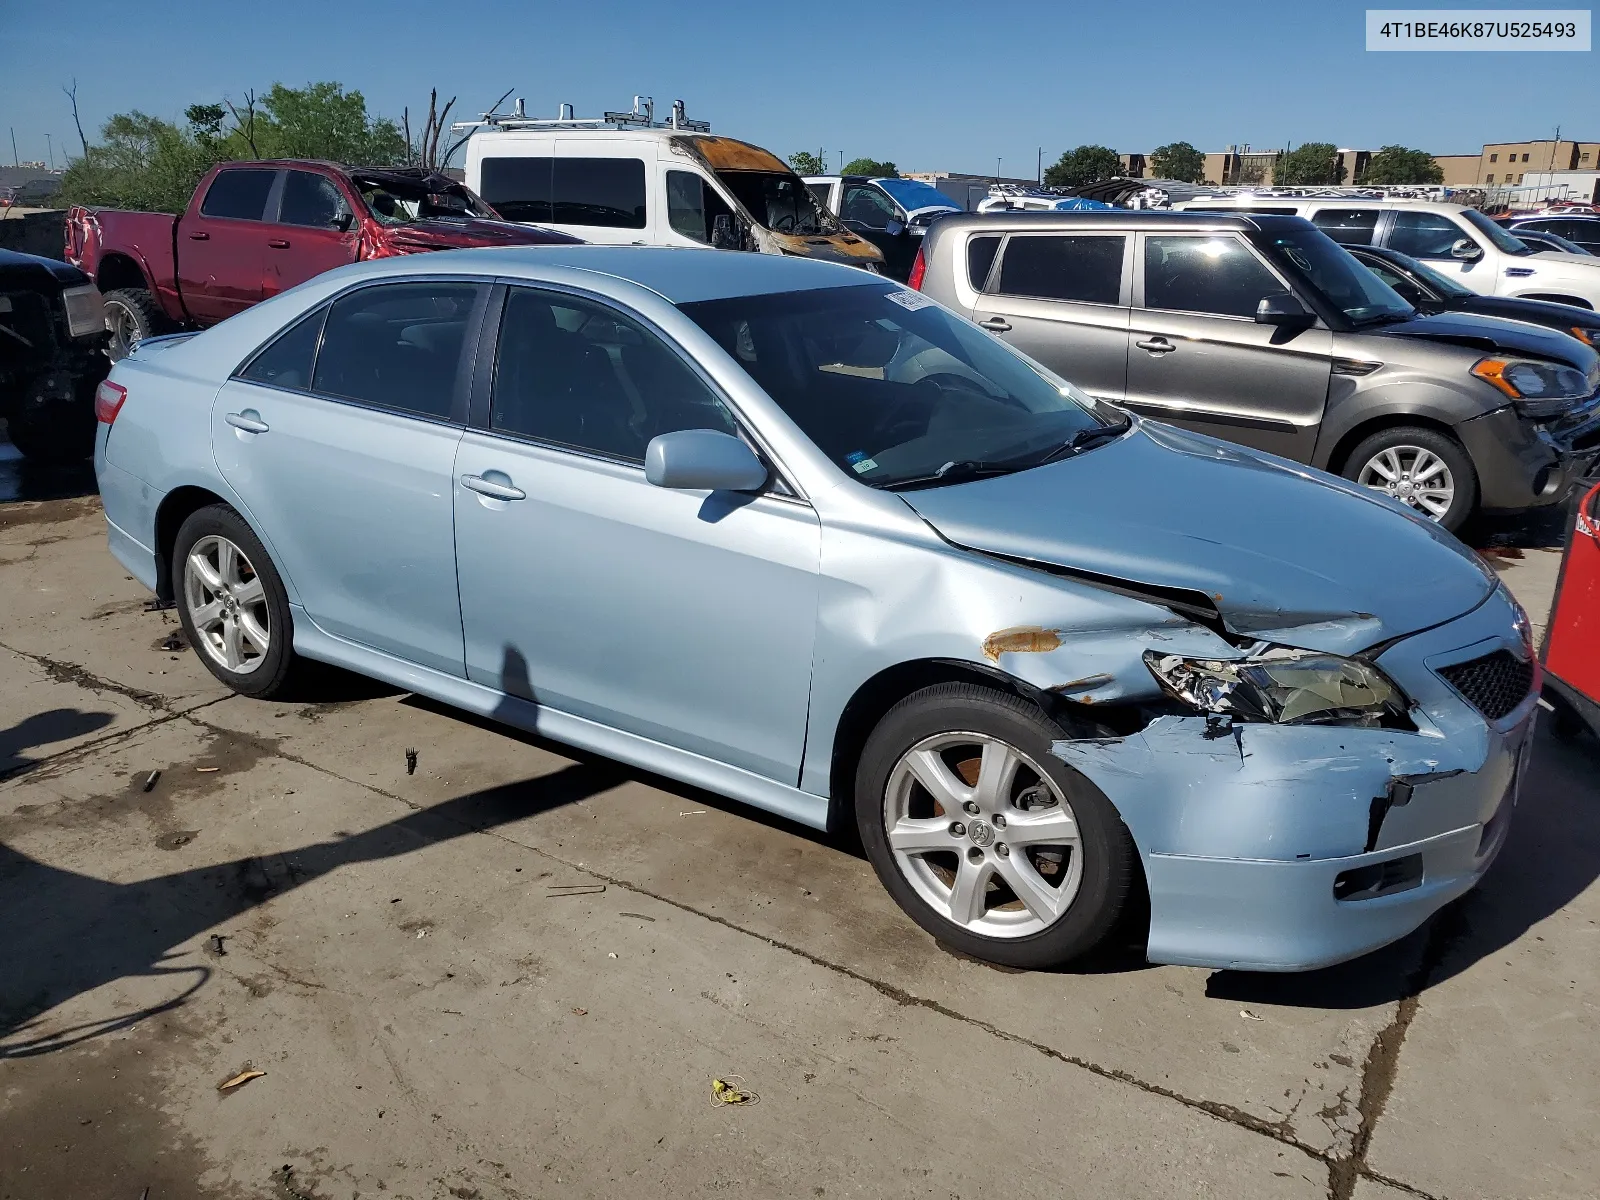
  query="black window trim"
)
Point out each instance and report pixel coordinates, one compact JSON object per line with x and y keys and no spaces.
{"x":461,"y":388}
{"x":1139,"y":265}
{"x":274,"y":192}
{"x":1125,"y":288}
{"x":781,"y":486}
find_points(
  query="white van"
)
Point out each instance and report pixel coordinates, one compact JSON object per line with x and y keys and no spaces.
{"x":1458,"y":241}
{"x":627,"y":179}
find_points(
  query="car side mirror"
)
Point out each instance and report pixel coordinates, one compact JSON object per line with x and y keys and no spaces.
{"x":723,"y":236}
{"x":343,"y":221}
{"x":1466,"y":249}
{"x":894,"y":228}
{"x":1284,"y":308}
{"x":703,"y":460}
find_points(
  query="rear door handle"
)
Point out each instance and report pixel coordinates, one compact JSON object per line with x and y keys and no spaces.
{"x":1156,"y":345}
{"x":995,"y":324}
{"x":277,"y":243}
{"x":200,"y":237}
{"x":249,"y":420}
{"x":488,"y":487}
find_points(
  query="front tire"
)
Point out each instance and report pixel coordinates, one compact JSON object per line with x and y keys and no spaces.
{"x":1422,"y":468}
{"x":989,"y":842}
{"x":232,"y":603}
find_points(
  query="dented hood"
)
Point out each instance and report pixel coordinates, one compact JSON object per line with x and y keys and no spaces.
{"x":452,"y":233}
{"x":1283,"y":552}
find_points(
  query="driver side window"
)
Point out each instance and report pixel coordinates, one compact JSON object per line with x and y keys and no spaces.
{"x":869,"y":206}
{"x":1218,"y":275}
{"x":311,"y":200}
{"x":1424,"y":234}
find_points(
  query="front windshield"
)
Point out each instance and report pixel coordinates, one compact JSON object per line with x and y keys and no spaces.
{"x":1442,"y":284}
{"x":912,"y":194}
{"x":779,"y":201}
{"x":1320,"y":263}
{"x":401,"y":201}
{"x":1502,"y":240}
{"x":893,"y":388}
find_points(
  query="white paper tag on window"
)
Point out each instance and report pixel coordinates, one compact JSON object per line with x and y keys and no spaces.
{"x":911,"y":300}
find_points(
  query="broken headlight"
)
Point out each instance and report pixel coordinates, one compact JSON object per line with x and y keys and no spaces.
{"x":1283,"y":687}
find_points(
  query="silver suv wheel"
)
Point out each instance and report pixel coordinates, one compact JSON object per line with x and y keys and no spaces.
{"x":1413,"y":475}
{"x":982,"y":835}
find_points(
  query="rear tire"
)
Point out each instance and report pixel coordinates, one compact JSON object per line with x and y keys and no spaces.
{"x":1424,"y":465}
{"x":1038,"y":875}
{"x":232,"y":603}
{"x":131,"y":316}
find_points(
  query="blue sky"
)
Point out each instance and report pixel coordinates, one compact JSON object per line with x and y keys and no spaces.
{"x":937,"y":84}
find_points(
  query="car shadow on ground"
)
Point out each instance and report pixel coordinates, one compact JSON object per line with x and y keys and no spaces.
{"x":44,"y":729}
{"x":1551,"y":856}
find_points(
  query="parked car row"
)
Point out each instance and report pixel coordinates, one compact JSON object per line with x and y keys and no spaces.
{"x":1060,"y":666}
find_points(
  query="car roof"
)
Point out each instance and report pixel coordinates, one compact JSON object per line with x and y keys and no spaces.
{"x":1113,"y":218}
{"x":681,"y":275}
{"x":1224,"y":204}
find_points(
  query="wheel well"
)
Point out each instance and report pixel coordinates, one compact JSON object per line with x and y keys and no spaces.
{"x":174,"y":511}
{"x":120,"y":271}
{"x":1341,"y":452}
{"x":1552,"y":298}
{"x":874,"y":698}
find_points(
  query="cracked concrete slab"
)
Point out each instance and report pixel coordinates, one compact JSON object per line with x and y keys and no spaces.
{"x":42,"y":715}
{"x":433,"y":1020}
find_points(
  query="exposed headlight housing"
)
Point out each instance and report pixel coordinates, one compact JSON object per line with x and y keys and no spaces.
{"x":1283,"y":686}
{"x":1539,"y":389}
{"x":86,"y":312}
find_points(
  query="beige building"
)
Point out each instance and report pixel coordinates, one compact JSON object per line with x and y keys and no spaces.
{"x":1507,"y":162}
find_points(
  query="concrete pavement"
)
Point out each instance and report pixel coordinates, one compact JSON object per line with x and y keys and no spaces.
{"x":434,"y":1020}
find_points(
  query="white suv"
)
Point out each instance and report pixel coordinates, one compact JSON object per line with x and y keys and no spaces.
{"x":1451,"y":238}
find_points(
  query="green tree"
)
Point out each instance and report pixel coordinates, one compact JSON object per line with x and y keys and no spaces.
{"x":1309,"y":164}
{"x":322,"y":120}
{"x":1398,"y":164}
{"x":872,"y":167}
{"x":142,"y":162}
{"x":1086,"y":164}
{"x":1180,"y":161}
{"x":806,"y":163}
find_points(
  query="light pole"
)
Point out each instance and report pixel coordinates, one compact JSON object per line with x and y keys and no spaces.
{"x":50,"y":149}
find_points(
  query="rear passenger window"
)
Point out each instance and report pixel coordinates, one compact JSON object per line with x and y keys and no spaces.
{"x":397,"y":346}
{"x":1349,"y":226}
{"x":980,"y":257}
{"x":286,"y":362}
{"x":578,"y":374}
{"x":1200,"y":274}
{"x":1087,"y":268}
{"x":607,"y":192}
{"x":241,"y":194}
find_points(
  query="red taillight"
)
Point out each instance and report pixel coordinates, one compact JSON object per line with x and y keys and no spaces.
{"x":919,"y":268}
{"x":108,"y":398}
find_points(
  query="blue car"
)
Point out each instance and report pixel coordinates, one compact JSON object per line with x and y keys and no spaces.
{"x":795,"y":534}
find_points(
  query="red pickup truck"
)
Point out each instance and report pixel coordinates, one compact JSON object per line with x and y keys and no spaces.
{"x":254,"y":229}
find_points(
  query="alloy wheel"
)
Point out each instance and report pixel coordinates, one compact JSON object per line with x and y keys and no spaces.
{"x":984,"y":836}
{"x":1413,"y":475}
{"x":123,"y":325}
{"x":227,"y":604}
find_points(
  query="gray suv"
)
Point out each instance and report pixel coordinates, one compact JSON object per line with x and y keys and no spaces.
{"x":1262,"y":330}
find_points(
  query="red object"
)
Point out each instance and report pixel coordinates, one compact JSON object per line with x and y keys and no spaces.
{"x":201,"y":268}
{"x":108,"y":398}
{"x":1572,"y":645}
{"x":919,"y":268}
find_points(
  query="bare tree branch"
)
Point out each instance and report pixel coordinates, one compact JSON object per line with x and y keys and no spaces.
{"x":246,"y":126}
{"x":72,"y":94}
{"x":405,"y":121}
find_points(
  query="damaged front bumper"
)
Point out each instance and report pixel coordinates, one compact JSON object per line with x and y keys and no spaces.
{"x":1291,"y":847}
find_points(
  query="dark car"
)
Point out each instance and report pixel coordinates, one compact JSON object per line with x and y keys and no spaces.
{"x":52,"y":356}
{"x":1429,"y":291}
{"x":1585,"y":231}
{"x":1539,"y":240}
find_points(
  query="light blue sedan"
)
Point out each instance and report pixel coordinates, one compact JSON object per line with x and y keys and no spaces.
{"x":798,"y":535}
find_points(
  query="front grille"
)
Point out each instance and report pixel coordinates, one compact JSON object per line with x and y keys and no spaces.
{"x":1494,"y":684}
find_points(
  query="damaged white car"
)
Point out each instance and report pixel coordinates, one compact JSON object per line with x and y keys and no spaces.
{"x":787,"y":531}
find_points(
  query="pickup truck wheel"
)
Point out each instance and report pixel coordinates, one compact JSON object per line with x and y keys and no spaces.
{"x":131,"y":316}
{"x":1422,"y":468}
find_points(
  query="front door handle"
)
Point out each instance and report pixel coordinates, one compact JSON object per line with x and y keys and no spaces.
{"x":200,"y":237}
{"x":1156,"y":345}
{"x":249,"y":420}
{"x":277,"y":243}
{"x":995,"y":325}
{"x":488,"y":487}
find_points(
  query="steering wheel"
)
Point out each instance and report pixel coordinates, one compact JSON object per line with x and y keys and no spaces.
{"x":784,"y":223}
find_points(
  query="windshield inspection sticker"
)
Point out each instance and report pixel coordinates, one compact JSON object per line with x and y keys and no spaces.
{"x":910,"y":300}
{"x":862,"y":465}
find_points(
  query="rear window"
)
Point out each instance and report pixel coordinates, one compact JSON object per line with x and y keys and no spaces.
{"x":1082,"y":267}
{"x":240,"y":194}
{"x":606,"y":192}
{"x":1348,"y":226}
